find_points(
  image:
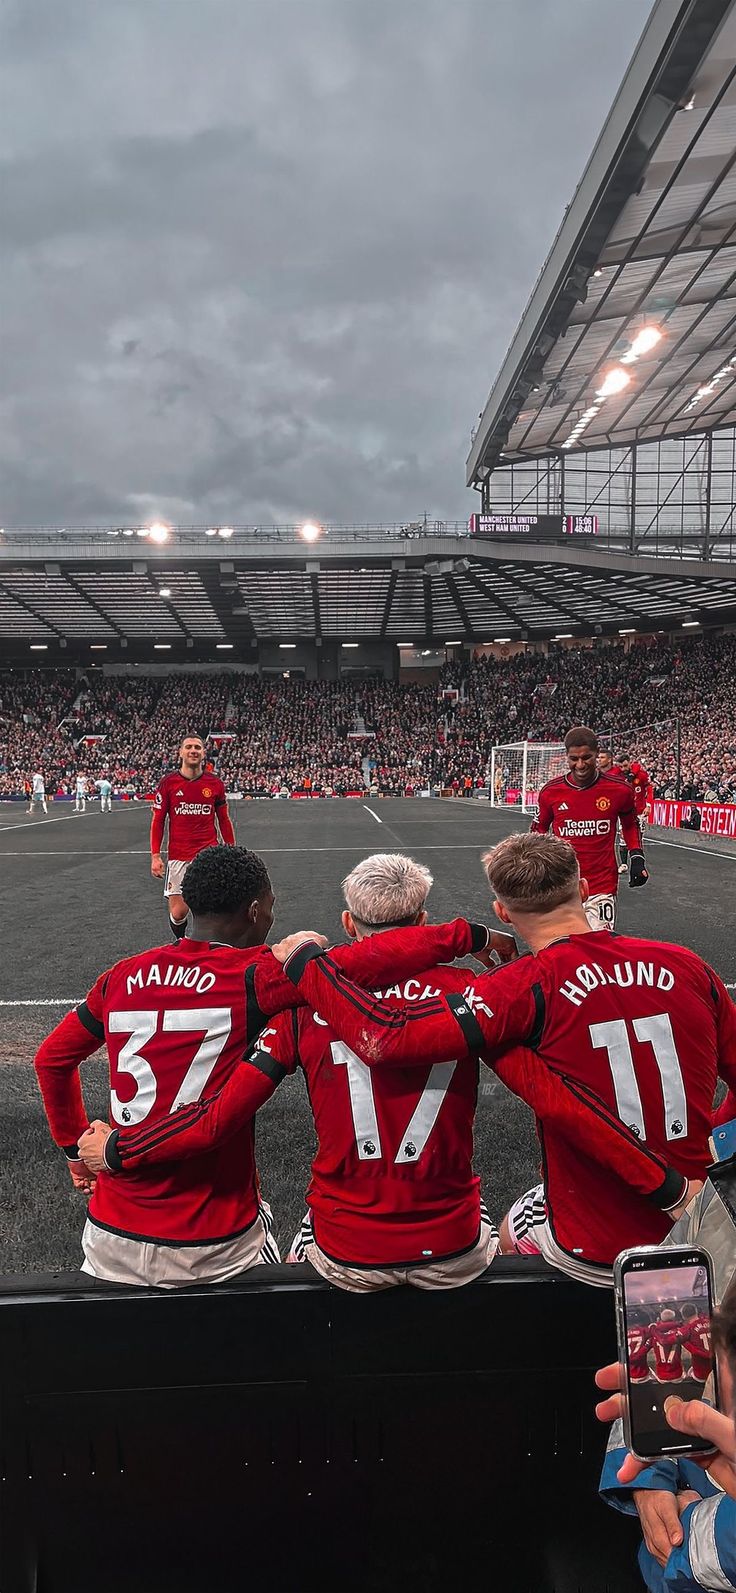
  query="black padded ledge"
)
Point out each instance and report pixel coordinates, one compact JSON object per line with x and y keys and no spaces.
{"x":276,"y":1433}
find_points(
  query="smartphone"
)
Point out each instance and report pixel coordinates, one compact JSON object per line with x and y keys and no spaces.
{"x":664,"y":1303}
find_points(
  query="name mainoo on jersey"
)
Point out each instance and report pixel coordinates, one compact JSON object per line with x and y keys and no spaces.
{"x":590,"y":976}
{"x":173,"y":975}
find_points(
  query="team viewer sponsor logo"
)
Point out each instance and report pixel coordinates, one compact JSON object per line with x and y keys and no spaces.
{"x":190,"y":809}
{"x":573,"y":828}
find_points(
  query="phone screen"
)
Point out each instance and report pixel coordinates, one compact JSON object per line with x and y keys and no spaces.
{"x":667,"y":1308}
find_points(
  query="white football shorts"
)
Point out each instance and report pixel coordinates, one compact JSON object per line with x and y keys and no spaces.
{"x":600,"y":912}
{"x":174,"y":878}
{"x":444,"y":1273}
{"x":531,"y":1235}
{"x":116,"y":1258}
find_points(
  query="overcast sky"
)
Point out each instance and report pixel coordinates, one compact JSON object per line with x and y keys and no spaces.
{"x":261,"y":259}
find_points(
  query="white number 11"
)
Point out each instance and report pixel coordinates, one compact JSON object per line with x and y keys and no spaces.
{"x":363,"y":1106}
{"x":613,"y":1037}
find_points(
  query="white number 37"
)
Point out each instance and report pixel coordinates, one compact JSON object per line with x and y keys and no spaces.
{"x":141,"y":1027}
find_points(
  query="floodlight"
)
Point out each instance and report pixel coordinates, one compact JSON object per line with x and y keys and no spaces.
{"x":645,"y":340}
{"x":613,"y":382}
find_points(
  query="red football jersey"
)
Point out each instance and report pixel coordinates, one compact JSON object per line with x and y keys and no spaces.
{"x":697,"y":1340}
{"x":392,"y":1178}
{"x":587,"y":819}
{"x":667,"y":1340}
{"x":635,"y":1027}
{"x":639,"y":1345}
{"x":190,"y":806}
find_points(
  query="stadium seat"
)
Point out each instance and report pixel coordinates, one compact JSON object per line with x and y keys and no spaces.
{"x":278,"y":1434}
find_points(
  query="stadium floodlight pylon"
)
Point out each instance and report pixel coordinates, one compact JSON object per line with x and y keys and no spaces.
{"x":519,"y":769}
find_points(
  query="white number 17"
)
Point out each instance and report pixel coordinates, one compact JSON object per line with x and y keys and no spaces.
{"x":363,"y":1106}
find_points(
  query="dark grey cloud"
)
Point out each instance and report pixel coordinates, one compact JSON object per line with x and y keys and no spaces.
{"x":262,"y":258}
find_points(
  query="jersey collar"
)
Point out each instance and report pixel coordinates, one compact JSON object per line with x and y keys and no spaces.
{"x":576,"y":787}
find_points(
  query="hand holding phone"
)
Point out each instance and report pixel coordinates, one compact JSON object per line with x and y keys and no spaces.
{"x":664,"y":1302}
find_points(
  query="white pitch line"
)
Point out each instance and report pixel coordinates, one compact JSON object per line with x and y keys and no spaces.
{"x":89,"y":851}
{"x":653,"y":840}
{"x":37,"y":822}
{"x":53,"y":1001}
{"x":372,"y":814}
{"x":276,"y":851}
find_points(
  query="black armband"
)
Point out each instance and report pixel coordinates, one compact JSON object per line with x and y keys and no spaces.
{"x":110,"y":1154}
{"x":91,"y":1023}
{"x":71,"y":1152}
{"x":265,"y":1063}
{"x":464,"y":1015}
{"x":297,"y":962}
{"x":671,"y":1191}
{"x":480,"y":935}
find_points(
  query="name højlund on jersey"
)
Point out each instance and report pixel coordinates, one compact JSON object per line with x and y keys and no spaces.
{"x":175,"y":974}
{"x":590,"y":976}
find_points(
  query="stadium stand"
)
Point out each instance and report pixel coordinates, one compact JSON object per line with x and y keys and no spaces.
{"x":295,"y":734}
{"x":278,"y":1433}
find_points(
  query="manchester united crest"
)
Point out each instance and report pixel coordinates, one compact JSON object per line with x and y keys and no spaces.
{"x":602,"y":804}
{"x":207,"y":792}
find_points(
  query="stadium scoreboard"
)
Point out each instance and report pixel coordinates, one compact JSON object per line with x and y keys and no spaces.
{"x":537,"y":527}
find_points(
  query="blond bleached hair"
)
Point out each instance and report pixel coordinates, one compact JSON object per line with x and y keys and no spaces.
{"x":532,"y":873}
{"x":385,"y":889}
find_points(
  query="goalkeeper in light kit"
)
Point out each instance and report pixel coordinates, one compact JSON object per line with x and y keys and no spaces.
{"x":583,"y":807}
{"x":195,"y":803}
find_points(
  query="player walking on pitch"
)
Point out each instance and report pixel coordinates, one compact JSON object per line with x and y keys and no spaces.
{"x":195,"y":804}
{"x":38,"y":793}
{"x":583,"y":807}
{"x":637,"y":778}
{"x":80,"y":793}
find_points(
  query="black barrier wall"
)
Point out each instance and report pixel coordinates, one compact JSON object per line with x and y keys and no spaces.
{"x":277,"y":1434}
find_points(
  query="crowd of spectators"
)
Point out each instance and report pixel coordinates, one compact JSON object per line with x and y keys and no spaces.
{"x":273,"y":736}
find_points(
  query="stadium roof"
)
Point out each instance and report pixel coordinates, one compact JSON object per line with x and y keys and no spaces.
{"x":649,"y":241}
{"x":194,"y":597}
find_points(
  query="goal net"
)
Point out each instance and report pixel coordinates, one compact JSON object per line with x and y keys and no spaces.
{"x":519,"y":769}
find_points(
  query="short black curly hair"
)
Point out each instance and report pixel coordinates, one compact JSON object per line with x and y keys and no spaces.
{"x":222,"y":880}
